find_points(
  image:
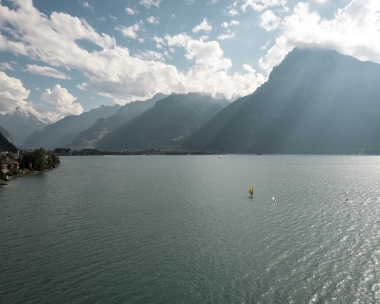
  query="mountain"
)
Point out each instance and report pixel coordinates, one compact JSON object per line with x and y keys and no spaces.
{"x":89,"y":137}
{"x":65,"y":130}
{"x":315,"y":101}
{"x":20,"y":124}
{"x":5,"y":145}
{"x":6,"y":134}
{"x":165,"y":125}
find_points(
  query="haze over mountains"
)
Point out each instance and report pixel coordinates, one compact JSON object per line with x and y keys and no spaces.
{"x":315,"y":101}
{"x":65,"y":130}
{"x":21,"y":124}
{"x":89,"y":137}
{"x":165,"y":125}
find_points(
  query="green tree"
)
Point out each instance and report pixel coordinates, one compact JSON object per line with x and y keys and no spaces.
{"x":40,"y":162}
{"x":26,"y":159}
{"x":53,"y":160}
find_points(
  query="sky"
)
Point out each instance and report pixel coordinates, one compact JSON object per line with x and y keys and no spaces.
{"x":61,"y":58}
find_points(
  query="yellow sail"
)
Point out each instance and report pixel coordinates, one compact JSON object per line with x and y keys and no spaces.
{"x":250,"y":190}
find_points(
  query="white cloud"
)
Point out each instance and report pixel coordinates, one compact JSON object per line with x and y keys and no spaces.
{"x":150,"y":56}
{"x":354,"y":31}
{"x":148,"y":3}
{"x":204,"y":26}
{"x":13,"y":95}
{"x":47,"y":71}
{"x":153,"y":20}
{"x":87,"y":5}
{"x":113,"y":71}
{"x":228,"y":35}
{"x":62,"y":100}
{"x":232,"y":22}
{"x":113,"y":17}
{"x":131,"y":11}
{"x":130,"y":31}
{"x":269,"y":21}
{"x":210,"y":72}
{"x":159,"y":41}
{"x":224,"y":24}
{"x":260,"y":5}
{"x":214,"y":1}
{"x":5,"y":66}
{"x":232,"y":12}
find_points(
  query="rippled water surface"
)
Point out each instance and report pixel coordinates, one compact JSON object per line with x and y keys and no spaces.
{"x":182,"y":229}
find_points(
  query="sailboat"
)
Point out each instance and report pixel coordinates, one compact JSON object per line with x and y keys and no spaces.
{"x":250,"y":191}
{"x":234,"y":156}
{"x":220,"y":155}
{"x":345,"y":197}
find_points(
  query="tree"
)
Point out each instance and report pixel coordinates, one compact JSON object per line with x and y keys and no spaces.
{"x":40,"y":162}
{"x":53,"y":160}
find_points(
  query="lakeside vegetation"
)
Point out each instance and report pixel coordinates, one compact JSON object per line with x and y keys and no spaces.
{"x":34,"y":162}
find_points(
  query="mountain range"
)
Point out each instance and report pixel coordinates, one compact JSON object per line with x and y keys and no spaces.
{"x":89,"y":137}
{"x":62,"y":132}
{"x":20,"y":124}
{"x":315,"y":101}
{"x":166,"y":125}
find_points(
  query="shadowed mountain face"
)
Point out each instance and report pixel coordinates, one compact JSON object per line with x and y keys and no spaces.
{"x":20,"y":125}
{"x":5,"y":145}
{"x":165,"y":125}
{"x":315,"y":101}
{"x":65,"y":130}
{"x":6,"y":134}
{"x":89,"y":137}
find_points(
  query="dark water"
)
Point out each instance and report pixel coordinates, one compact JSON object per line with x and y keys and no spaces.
{"x":181,"y":229}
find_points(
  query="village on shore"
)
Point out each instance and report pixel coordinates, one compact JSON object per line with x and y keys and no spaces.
{"x":26,"y":162}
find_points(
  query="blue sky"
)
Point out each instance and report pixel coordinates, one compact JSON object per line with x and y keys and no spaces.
{"x":60,"y":58}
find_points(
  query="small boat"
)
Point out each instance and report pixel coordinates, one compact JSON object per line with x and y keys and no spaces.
{"x":234,"y":156}
{"x":250,"y":191}
{"x":274,"y":199}
{"x":345,"y":197}
{"x":220,"y":156}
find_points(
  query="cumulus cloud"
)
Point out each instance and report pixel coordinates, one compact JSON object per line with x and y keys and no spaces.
{"x":113,"y":71}
{"x":228,"y":35}
{"x":354,"y":31}
{"x":47,"y":71}
{"x":131,"y":11}
{"x":153,"y":20}
{"x":150,"y":55}
{"x":204,"y":26}
{"x":260,"y":5}
{"x":210,"y":72}
{"x":62,"y":100}
{"x":269,"y":21}
{"x":13,"y":96}
{"x":232,"y":22}
{"x":130,"y":31}
{"x":149,"y":3}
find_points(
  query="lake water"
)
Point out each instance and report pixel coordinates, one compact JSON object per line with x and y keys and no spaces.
{"x":182,"y":229}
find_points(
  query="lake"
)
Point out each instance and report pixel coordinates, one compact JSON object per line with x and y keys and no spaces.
{"x":182,"y":229}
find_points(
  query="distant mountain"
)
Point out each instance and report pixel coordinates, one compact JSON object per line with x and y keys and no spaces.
{"x":5,"y":145}
{"x":6,"y":134}
{"x":89,"y":137}
{"x":165,"y":125}
{"x":20,"y":124}
{"x":315,"y":101}
{"x":65,"y":130}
